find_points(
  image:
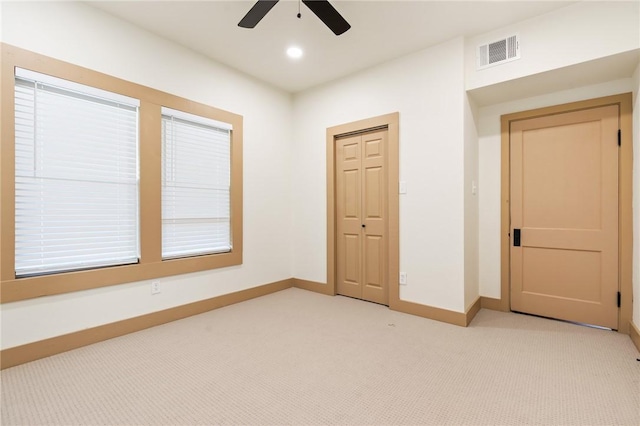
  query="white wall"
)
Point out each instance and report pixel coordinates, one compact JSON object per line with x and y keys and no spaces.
{"x":636,"y":196}
{"x":79,"y":34}
{"x":577,"y":33}
{"x":471,"y":205}
{"x":427,"y":89}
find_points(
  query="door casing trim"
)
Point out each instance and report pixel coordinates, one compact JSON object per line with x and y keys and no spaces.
{"x":391,"y":122}
{"x":625,"y":199}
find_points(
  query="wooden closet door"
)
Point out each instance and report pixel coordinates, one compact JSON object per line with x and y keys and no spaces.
{"x":349,"y":216}
{"x":361,"y":213}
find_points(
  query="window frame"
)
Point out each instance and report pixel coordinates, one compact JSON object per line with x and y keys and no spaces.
{"x":151,"y":265}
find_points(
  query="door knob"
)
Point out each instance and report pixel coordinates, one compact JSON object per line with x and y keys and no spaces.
{"x":364,"y":226}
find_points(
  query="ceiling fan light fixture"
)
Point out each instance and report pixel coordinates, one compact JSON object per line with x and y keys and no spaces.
{"x":294,"y":52}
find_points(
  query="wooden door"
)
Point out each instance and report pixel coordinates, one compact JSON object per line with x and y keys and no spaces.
{"x":361,"y":216}
{"x":564,"y":204}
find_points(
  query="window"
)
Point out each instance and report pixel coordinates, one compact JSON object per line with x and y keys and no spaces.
{"x":76,"y":190}
{"x":107,"y":182}
{"x":196,"y":173}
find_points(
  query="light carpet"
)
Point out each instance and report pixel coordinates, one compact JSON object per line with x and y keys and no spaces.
{"x":297,"y":357}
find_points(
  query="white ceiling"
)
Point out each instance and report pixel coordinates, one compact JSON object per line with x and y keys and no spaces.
{"x":380,"y":31}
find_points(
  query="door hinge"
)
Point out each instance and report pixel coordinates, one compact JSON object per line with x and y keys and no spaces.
{"x":619,"y":299}
{"x":619,"y":137}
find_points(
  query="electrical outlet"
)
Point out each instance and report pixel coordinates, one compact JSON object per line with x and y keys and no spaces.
{"x":403,"y":278}
{"x":155,"y":287}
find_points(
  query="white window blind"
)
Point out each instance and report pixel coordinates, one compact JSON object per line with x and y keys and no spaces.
{"x":76,"y":176}
{"x":196,"y":174}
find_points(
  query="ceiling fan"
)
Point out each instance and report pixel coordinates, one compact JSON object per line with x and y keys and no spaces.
{"x":322,"y":8}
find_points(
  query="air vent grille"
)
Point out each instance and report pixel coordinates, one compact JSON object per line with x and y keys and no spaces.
{"x":498,"y":52}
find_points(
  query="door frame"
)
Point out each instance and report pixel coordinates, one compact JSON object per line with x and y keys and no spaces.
{"x":625,"y":198}
{"x":391,"y":122}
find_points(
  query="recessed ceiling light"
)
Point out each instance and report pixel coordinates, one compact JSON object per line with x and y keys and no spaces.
{"x":294,"y":52}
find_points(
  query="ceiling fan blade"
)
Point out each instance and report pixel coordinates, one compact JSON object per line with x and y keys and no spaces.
{"x":329,"y":15}
{"x":257,"y":12}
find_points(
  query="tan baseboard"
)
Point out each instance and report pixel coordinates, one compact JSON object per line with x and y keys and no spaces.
{"x":32,"y":351}
{"x":425,"y":311}
{"x":430,"y":312}
{"x":472,"y":311}
{"x":491,"y":303}
{"x":634,"y":333}
{"x":312,"y":286}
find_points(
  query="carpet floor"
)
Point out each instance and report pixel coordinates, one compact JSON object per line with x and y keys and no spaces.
{"x":301,"y":358}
